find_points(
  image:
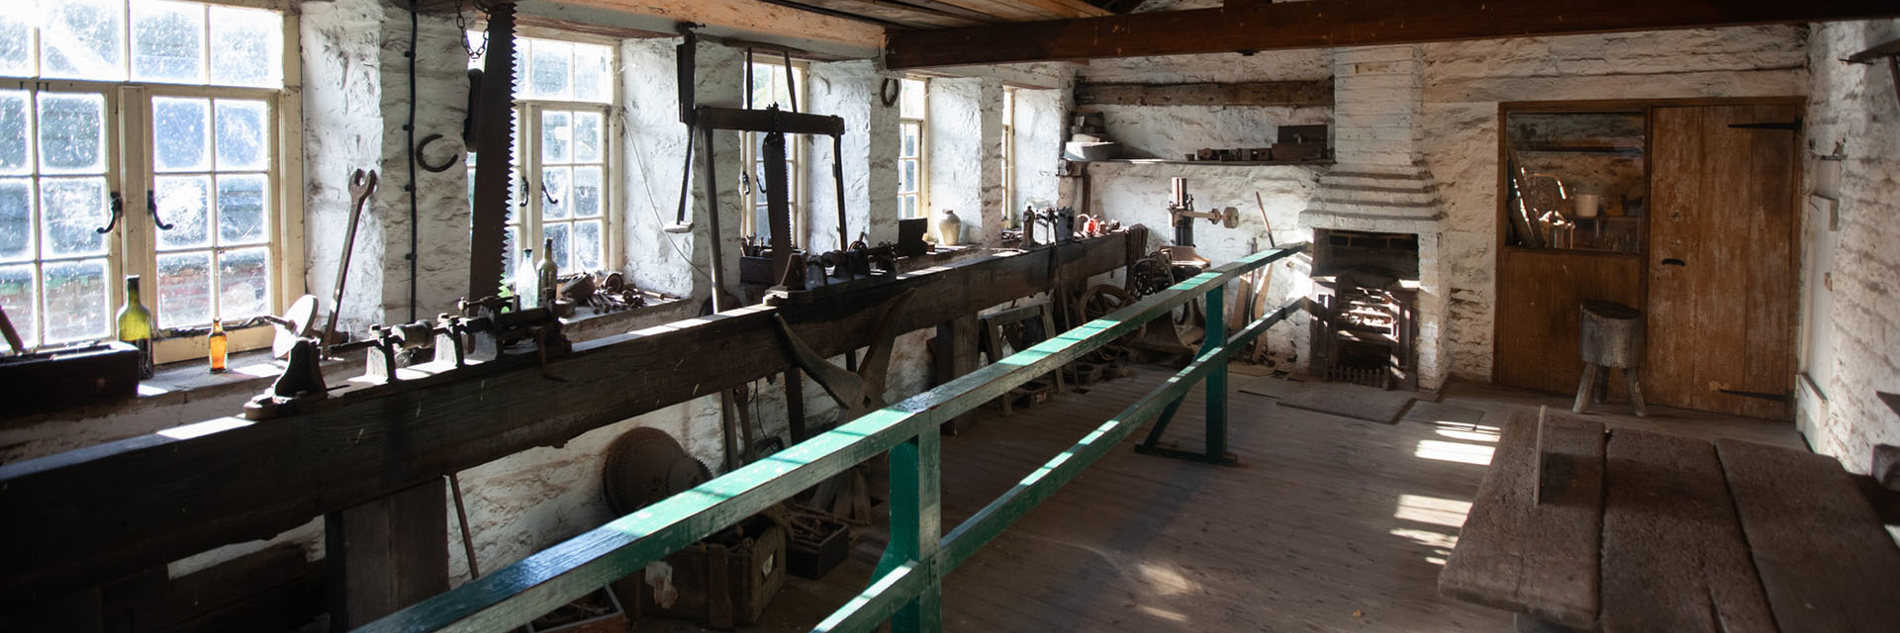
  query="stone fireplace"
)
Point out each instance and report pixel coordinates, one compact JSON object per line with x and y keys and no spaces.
{"x":1378,"y":222}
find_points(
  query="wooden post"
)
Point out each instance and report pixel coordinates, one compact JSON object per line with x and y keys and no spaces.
{"x":795,"y":405}
{"x":387,"y":554}
{"x":955,"y":353}
{"x":916,"y":528}
{"x":1216,"y":378}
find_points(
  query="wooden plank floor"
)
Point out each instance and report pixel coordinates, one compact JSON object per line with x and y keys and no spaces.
{"x":1328,"y":524}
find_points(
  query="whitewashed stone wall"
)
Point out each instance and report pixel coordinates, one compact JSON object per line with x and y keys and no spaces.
{"x":1138,"y":194}
{"x":1852,"y":326}
{"x":850,"y":89}
{"x":1465,"y":81}
{"x":344,"y":131}
{"x":1038,"y":128}
{"x":652,"y":161}
{"x":964,"y":139}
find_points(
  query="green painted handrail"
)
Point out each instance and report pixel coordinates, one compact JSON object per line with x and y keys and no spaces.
{"x":905,"y":588}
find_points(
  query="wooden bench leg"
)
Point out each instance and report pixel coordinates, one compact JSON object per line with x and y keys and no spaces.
{"x":1584,"y":389}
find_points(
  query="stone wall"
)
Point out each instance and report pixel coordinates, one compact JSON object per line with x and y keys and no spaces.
{"x":1852,"y":275}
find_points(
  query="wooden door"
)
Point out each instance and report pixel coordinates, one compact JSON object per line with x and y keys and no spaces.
{"x":1722,"y":258}
{"x":1540,"y":296}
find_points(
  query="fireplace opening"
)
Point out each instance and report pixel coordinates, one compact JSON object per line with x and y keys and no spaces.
{"x":1366,"y":288}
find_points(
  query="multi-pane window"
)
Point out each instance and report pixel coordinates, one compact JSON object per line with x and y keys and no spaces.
{"x":769,"y":86}
{"x":911,"y":161}
{"x":1009,"y":153}
{"x":563,"y":152}
{"x":199,"y":217}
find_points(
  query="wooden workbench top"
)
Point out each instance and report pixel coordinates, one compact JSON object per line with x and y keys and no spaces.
{"x":1643,"y":531}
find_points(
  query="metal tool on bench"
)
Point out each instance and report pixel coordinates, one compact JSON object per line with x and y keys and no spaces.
{"x":362,"y":184}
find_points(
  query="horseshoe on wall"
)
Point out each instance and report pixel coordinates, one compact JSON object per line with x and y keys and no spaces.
{"x":890,"y":90}
{"x":422,"y":146}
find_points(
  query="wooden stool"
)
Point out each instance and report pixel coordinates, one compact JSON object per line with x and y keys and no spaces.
{"x":1610,"y":335}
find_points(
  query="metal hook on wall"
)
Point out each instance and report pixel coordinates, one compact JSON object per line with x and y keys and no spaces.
{"x":422,"y":147}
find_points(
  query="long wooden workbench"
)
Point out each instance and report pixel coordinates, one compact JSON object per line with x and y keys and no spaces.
{"x":1641,"y":531}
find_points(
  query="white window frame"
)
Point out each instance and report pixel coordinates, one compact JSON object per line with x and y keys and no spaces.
{"x":525,"y":222}
{"x":922,"y":159}
{"x":795,"y":156}
{"x":132,"y":244}
{"x":1009,"y":153}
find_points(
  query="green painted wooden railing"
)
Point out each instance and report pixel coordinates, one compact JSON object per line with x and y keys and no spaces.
{"x":906,"y":588}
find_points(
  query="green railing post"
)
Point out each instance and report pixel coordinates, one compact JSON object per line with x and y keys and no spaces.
{"x":916,"y":527}
{"x":1217,"y":378}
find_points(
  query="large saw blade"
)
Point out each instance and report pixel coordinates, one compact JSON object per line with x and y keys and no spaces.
{"x":495,"y":138}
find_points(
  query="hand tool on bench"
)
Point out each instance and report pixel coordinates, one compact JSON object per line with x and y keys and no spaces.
{"x":362,"y":184}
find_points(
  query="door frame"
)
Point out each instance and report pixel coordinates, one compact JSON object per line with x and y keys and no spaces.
{"x":1501,"y":219}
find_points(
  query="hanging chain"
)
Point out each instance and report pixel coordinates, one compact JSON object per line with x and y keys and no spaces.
{"x":461,"y":25}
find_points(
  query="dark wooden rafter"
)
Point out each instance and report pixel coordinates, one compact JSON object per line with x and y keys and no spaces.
{"x":88,"y":516}
{"x":1330,"y":23}
{"x":1317,"y":93}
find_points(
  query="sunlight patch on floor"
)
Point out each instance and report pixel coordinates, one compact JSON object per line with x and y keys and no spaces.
{"x":1433,"y":510}
{"x":1166,"y":580}
{"x":1460,"y":452}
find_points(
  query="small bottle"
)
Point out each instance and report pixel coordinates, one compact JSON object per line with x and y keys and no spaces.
{"x":526,"y":291}
{"x":135,"y":326}
{"x":547,"y":274}
{"x":216,"y":343}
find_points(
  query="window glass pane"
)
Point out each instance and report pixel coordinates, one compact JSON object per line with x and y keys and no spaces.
{"x":16,"y":220}
{"x":249,"y":47}
{"x":83,"y":39}
{"x":587,"y":137}
{"x":556,"y":137}
{"x":241,"y":210}
{"x":586,"y":192}
{"x":168,"y":42}
{"x":72,"y":133}
{"x":549,"y":65}
{"x":555,"y":200}
{"x":184,"y":289}
{"x":16,"y":296}
{"x":75,"y":209}
{"x":183,"y":203}
{"x":911,"y":103}
{"x":15,"y":128}
{"x":181,"y":134}
{"x":243,"y":282}
{"x":558,"y":233}
{"x":587,"y":245}
{"x":910,"y":206}
{"x":76,"y":291}
{"x":908,"y":146}
{"x":511,"y":244}
{"x":16,"y":50}
{"x":907,"y":176}
{"x":243,"y":140}
{"x":592,"y":78}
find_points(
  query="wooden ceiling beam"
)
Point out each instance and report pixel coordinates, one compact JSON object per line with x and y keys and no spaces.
{"x":1332,"y":23}
{"x":737,"y":19}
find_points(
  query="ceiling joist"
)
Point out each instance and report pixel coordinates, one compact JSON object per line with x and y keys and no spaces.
{"x":1332,"y":23}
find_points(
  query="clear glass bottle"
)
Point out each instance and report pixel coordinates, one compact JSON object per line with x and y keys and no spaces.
{"x":216,"y":343}
{"x":527,"y":291}
{"x":135,"y":326}
{"x":547,"y":274}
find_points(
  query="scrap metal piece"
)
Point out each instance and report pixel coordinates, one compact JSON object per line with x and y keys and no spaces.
{"x":362,"y":184}
{"x":488,"y":230}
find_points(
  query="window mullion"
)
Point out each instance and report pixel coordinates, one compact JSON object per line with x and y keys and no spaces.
{"x":128,"y":172}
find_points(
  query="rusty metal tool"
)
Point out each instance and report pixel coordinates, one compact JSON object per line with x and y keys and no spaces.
{"x":495,"y":138}
{"x":362,"y":184}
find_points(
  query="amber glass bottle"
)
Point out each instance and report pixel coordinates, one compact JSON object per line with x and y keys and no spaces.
{"x":216,"y":342}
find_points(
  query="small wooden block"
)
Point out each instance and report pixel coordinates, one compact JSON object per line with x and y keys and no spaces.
{"x":1825,"y":560}
{"x":1539,"y":559}
{"x":1673,"y":554}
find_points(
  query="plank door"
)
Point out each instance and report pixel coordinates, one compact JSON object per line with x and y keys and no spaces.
{"x":1722,"y":259}
{"x":1540,"y":296}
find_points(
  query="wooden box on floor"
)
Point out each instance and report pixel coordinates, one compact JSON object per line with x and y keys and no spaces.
{"x":613,"y":621}
{"x":722,"y":582}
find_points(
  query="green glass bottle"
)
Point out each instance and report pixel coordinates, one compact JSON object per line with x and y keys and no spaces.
{"x":135,"y":325}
